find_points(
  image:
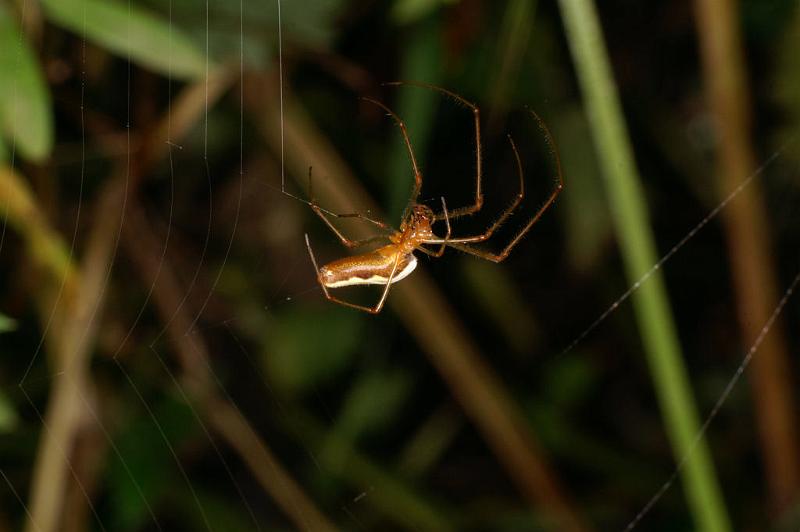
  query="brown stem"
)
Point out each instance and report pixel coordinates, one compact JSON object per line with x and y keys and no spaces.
{"x":749,"y":246}
{"x":142,"y":245}
{"x":71,"y":301}
{"x":156,"y":272}
{"x":71,"y":342}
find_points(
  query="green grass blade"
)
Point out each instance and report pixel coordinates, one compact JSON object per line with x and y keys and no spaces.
{"x":417,"y":107}
{"x":515,"y":34}
{"x":632,"y":225}
{"x":25,"y":114}
{"x":130,"y":31}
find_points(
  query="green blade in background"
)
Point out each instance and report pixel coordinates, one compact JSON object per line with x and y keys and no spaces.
{"x":632,"y":224}
{"x":25,"y":115}
{"x":130,"y":32}
{"x":416,"y":107}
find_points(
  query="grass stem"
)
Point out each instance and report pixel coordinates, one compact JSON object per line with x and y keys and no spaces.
{"x":630,"y":214}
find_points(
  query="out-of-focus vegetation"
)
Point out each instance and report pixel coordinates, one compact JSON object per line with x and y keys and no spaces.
{"x":168,"y":362}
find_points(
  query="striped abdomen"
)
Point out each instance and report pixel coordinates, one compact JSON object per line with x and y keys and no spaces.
{"x":370,"y":268}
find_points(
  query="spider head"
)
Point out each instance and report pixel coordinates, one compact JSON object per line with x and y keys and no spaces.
{"x":417,"y":224}
{"x":421,"y":219}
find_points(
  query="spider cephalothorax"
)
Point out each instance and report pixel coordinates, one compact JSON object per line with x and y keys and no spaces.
{"x":418,"y":225}
{"x":395,"y":261}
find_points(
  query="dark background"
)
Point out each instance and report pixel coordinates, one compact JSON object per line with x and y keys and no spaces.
{"x":208,"y":359}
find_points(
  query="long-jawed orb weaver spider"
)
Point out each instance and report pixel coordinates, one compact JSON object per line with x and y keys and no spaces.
{"x":395,"y":261}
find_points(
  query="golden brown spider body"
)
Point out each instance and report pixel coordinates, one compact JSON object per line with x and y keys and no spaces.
{"x":369,"y":268}
{"x":376,"y":266}
{"x":395,"y":261}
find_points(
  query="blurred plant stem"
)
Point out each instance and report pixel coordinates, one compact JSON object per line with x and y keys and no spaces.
{"x":71,"y":407}
{"x":497,"y":294}
{"x":421,"y":61}
{"x":198,"y":386}
{"x":629,"y":210}
{"x":394,"y":498}
{"x":71,"y":310}
{"x":718,"y":28}
{"x":436,"y":433}
{"x":425,"y":312}
{"x":46,"y":250}
{"x":67,"y":307}
{"x":515,"y":34}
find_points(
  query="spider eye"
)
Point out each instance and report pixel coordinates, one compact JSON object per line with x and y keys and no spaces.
{"x":423,"y":212}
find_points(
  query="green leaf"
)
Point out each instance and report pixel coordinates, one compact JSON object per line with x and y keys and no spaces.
{"x":310,"y":22}
{"x":310,"y":347}
{"x":130,"y":32}
{"x":408,"y":11}
{"x":374,"y":402}
{"x":8,"y":417}
{"x":584,"y":209}
{"x":143,"y":471}
{"x":25,"y":114}
{"x":7,"y":324}
{"x":568,"y":379}
{"x":313,"y":23}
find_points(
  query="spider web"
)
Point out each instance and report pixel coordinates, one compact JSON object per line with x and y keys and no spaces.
{"x":192,"y":320}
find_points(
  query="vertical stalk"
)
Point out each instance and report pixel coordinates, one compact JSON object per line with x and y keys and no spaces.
{"x":515,"y":34}
{"x":421,"y":61}
{"x":749,"y":247}
{"x":632,"y":224}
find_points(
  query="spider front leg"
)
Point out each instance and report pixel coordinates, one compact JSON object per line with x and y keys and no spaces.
{"x":407,"y":140}
{"x":372,"y":310}
{"x":476,"y":116}
{"x":464,"y":243}
{"x":324,"y":213}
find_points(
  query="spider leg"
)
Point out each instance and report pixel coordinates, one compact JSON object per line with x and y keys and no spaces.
{"x":377,"y":308}
{"x":349,"y":243}
{"x":407,"y":140}
{"x":462,"y":243}
{"x":372,"y":310}
{"x":470,"y":209}
{"x":506,"y":213}
{"x":487,"y":255}
{"x":324,"y":213}
{"x":500,"y":220}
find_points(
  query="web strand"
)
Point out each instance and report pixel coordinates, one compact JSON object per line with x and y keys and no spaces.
{"x":748,"y":357}
{"x":280,"y":96}
{"x":677,"y":247}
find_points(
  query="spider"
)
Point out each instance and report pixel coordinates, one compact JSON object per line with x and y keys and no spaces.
{"x":395,"y":261}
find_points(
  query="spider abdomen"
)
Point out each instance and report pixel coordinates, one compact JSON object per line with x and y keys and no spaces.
{"x":370,"y":268}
